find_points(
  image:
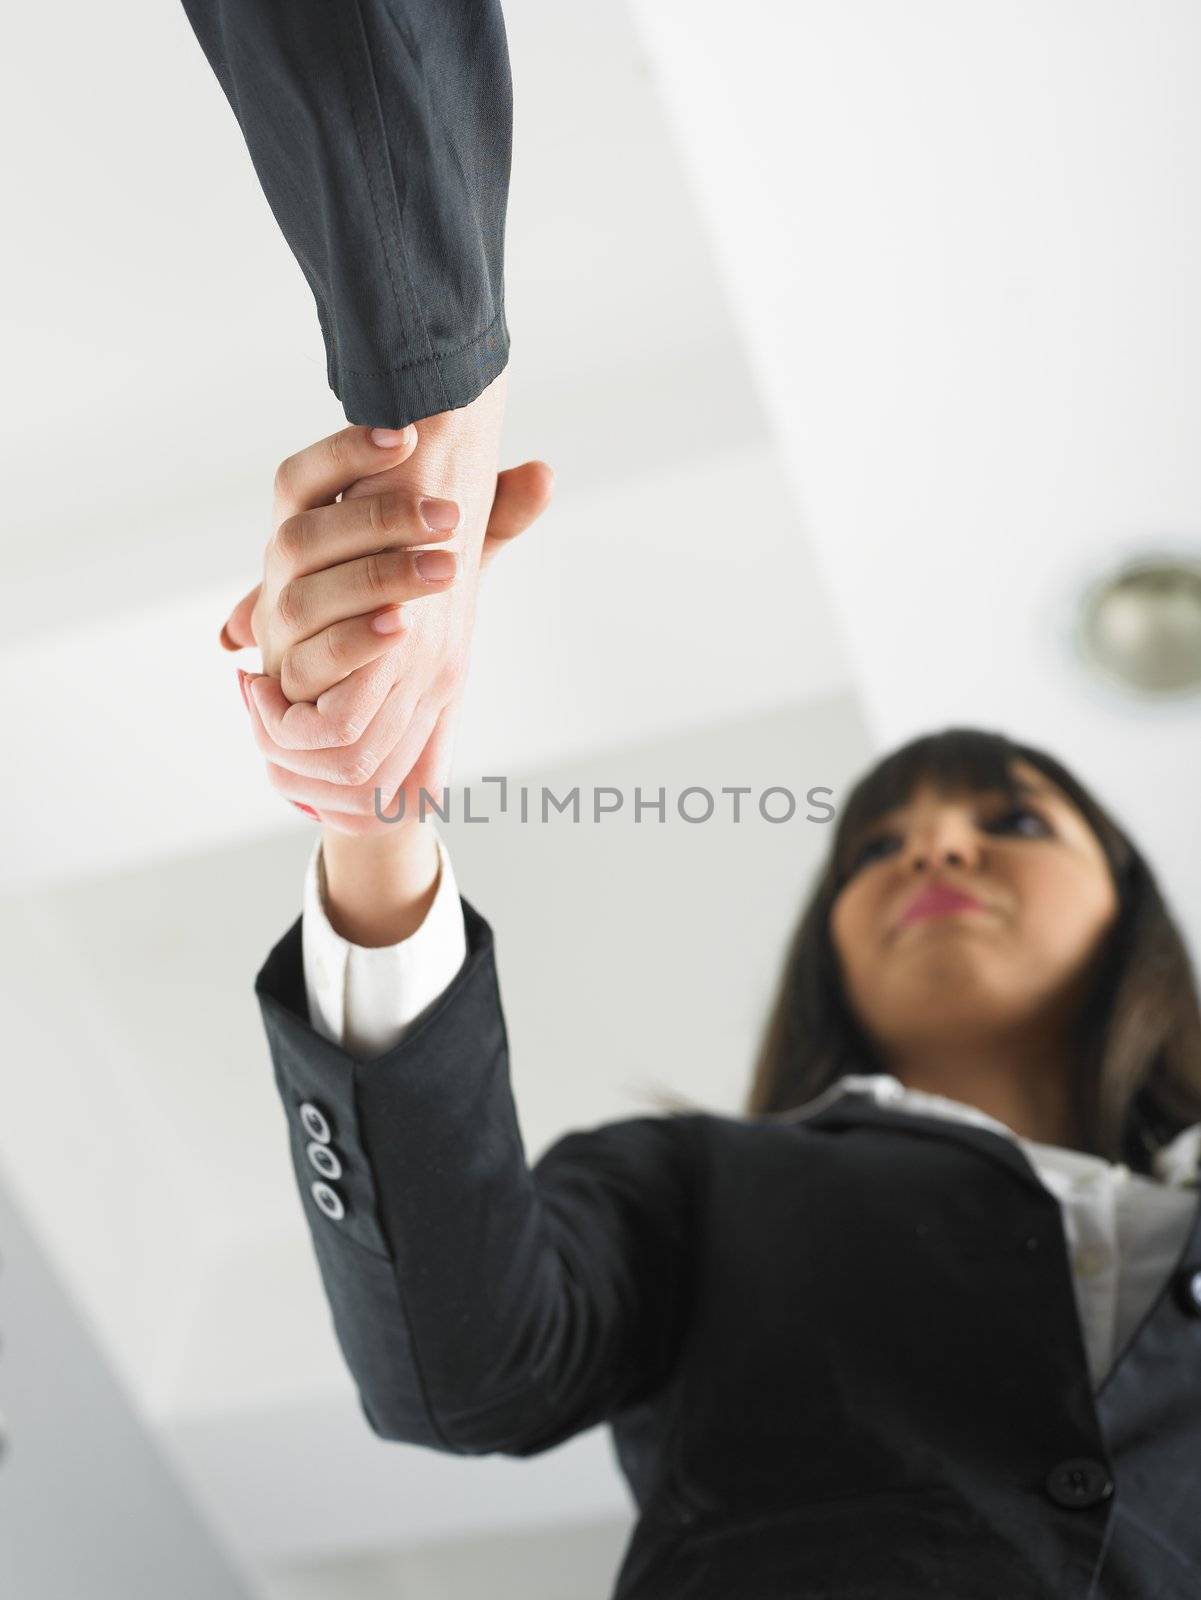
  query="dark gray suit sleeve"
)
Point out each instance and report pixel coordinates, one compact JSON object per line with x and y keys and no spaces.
{"x":381,"y":133}
{"x":482,"y":1305}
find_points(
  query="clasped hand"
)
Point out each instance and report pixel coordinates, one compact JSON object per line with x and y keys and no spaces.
{"x":343,"y":710}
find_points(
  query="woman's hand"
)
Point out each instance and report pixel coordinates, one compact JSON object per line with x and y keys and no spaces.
{"x":407,"y":739}
{"x":399,"y":799}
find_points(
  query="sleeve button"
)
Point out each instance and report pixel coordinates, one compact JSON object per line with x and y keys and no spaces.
{"x":324,"y":1159}
{"x":328,"y":1200}
{"x":315,"y":1123}
{"x":1078,"y":1483}
{"x":1188,"y":1291}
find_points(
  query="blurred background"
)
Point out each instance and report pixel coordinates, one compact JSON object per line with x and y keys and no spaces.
{"x":898,"y":368}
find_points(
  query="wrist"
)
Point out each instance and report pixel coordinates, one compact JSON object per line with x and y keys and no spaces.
{"x":377,"y":888}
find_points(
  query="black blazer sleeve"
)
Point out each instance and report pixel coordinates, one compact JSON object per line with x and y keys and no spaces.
{"x":482,"y":1306}
{"x":381,"y":133}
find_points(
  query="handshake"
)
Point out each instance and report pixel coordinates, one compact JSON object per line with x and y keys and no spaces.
{"x":364,"y":629}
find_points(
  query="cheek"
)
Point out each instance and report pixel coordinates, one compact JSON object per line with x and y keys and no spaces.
{"x":850,"y":923}
{"x":1066,"y":911}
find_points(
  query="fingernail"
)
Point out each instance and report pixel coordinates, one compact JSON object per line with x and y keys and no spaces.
{"x":388,"y":621}
{"x":226,"y":642}
{"x":438,"y":515}
{"x":308,"y":810}
{"x":390,"y":438}
{"x":435,"y":564}
{"x":242,"y":686}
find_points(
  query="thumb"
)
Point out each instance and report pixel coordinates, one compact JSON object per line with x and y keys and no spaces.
{"x":522,"y":495}
{"x":236,"y":632}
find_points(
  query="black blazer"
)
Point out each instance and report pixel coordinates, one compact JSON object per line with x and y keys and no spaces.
{"x":381,"y":132}
{"x":839,"y":1353}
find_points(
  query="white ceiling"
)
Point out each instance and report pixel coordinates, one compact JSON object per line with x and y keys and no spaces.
{"x":962,"y":245}
{"x":198,"y":365}
{"x":898,"y":343}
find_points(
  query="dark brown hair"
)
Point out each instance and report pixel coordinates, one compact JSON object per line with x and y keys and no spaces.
{"x":1139,"y":1081}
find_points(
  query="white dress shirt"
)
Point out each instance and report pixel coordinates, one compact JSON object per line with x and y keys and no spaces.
{"x":363,"y":998}
{"x":1124,"y":1231}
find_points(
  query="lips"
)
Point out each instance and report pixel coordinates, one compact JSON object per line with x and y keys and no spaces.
{"x":937,"y":900}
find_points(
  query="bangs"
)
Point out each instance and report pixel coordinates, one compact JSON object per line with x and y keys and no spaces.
{"x":958,"y":760}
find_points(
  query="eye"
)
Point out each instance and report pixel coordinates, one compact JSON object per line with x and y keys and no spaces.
{"x":1012,"y":821}
{"x":1022,"y":820}
{"x":872,"y":850}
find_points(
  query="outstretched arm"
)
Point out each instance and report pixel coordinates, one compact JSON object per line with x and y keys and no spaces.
{"x":481,"y":1305}
{"x":381,"y":133}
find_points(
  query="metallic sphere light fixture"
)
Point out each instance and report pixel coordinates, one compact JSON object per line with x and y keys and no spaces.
{"x":1141,"y":625}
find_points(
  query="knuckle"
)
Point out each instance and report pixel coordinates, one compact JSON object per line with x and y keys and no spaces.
{"x":355,"y":767}
{"x":339,"y":450}
{"x":289,"y":539}
{"x":289,"y":605}
{"x":291,"y":681}
{"x":346,"y":730}
{"x":285,"y":477}
{"x":385,"y":514}
{"x":378,"y":572}
{"x":334,"y":647}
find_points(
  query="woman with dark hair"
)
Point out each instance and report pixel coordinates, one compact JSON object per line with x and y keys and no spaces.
{"x":1111,"y":1063}
{"x":924,"y":1319}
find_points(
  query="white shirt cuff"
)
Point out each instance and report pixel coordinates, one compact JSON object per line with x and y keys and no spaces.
{"x":365,"y":998}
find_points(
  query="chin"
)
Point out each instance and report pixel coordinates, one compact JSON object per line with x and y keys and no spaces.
{"x":954,"y":981}
{"x":941,"y":957}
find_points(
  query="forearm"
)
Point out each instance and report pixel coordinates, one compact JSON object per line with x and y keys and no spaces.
{"x":481,"y":1305}
{"x":381,"y":134}
{"x":379,"y":888}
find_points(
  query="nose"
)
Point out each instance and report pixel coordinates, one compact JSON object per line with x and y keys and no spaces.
{"x":947,"y":840}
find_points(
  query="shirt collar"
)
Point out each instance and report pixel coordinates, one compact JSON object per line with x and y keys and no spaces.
{"x":1177,"y":1164}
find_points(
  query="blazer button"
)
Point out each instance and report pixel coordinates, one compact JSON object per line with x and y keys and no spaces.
{"x":314,"y":1122}
{"x":1079,"y":1482}
{"x":324,"y":1159}
{"x":329,"y":1200}
{"x":1188,"y":1290}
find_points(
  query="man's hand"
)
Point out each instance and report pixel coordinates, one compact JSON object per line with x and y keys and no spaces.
{"x":371,"y":711}
{"x":453,"y":462}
